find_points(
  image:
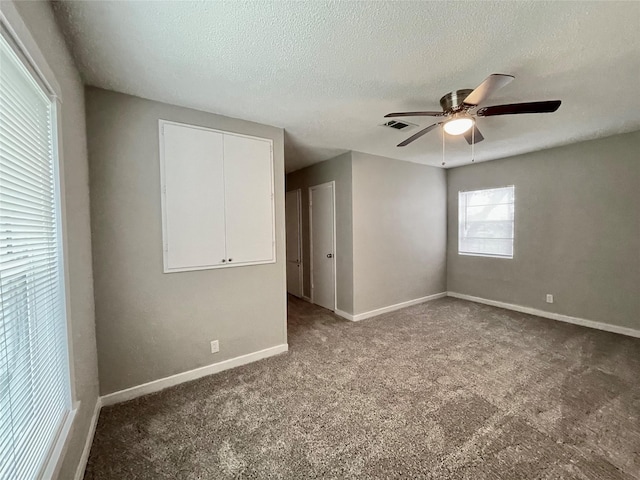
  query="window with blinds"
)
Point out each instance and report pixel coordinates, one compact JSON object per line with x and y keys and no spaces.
{"x":485,"y":222}
{"x":34,"y":368}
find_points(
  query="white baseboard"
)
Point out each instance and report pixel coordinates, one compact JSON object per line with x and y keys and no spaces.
{"x":342,"y":314}
{"x":161,"y":384}
{"x":379,"y":311}
{"x":307,"y":299}
{"x":84,"y":458}
{"x":553,"y":316}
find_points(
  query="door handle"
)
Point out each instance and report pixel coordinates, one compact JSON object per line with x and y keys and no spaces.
{"x":329,"y":255}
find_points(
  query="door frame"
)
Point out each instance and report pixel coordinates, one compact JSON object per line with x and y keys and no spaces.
{"x":335,"y":265}
{"x":298,"y":192}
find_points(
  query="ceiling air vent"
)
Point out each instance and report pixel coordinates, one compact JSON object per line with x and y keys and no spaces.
{"x":399,"y":125}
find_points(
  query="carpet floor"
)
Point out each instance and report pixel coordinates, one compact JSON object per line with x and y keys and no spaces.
{"x":447,"y":389}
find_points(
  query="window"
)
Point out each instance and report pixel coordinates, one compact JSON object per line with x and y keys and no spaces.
{"x":35,"y":396}
{"x":485,"y":222}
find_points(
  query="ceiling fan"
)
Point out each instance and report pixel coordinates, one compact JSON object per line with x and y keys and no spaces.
{"x":458,"y":108}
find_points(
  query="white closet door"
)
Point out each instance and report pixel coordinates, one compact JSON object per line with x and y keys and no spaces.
{"x":249,"y":210}
{"x":193,"y":179}
{"x":323,"y":261}
{"x":293,"y":205}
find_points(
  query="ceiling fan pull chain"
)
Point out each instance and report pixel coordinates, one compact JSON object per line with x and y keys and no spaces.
{"x":473,"y":143}
{"x":442,"y":147}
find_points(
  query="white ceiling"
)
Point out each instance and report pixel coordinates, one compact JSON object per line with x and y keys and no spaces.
{"x":328,"y":71}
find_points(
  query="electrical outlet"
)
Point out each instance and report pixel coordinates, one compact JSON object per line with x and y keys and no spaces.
{"x":215,"y":346}
{"x":549,"y":298}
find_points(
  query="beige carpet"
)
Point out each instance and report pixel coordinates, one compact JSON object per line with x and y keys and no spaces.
{"x":447,"y":389}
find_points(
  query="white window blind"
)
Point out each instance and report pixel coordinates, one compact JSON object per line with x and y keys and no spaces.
{"x":485,"y":222}
{"x":34,"y":369}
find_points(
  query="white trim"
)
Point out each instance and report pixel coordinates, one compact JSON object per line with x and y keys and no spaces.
{"x":335,"y":248}
{"x":342,"y":314}
{"x":84,"y":458}
{"x":607,"y":327}
{"x":306,"y":299}
{"x":332,"y":183}
{"x":51,"y":466}
{"x":469,"y":254}
{"x":390,"y":308}
{"x":310,"y":200}
{"x":15,"y":26}
{"x":161,"y":384}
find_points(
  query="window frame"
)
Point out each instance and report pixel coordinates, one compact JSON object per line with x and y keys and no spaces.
{"x":20,"y":39}
{"x":513,"y":240}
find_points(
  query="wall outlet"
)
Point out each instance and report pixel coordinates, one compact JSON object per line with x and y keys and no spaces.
{"x":215,"y":346}
{"x":549,"y":298}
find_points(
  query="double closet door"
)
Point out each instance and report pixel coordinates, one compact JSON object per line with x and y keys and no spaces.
{"x":217,"y":198}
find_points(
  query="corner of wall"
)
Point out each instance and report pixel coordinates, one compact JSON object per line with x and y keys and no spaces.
{"x":446,"y":228}
{"x":389,"y":231}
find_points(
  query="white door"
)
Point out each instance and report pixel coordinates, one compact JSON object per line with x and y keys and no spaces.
{"x":194,"y":223}
{"x":323,"y":266}
{"x":294,"y":251}
{"x":248,"y":200}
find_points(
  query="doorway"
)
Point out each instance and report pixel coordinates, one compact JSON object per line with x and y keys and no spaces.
{"x":293,"y":221}
{"x":322,"y":243}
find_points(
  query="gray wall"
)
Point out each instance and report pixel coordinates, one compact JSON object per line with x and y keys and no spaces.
{"x":151,"y":325}
{"x":399,"y":231}
{"x":38,"y":17}
{"x":339,"y":170}
{"x":577,"y":231}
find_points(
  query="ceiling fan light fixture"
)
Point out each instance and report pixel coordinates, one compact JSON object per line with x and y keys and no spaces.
{"x":458,"y":124}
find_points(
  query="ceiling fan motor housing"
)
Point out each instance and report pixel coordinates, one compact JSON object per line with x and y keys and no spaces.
{"x":459,"y":113}
{"x":453,"y":101}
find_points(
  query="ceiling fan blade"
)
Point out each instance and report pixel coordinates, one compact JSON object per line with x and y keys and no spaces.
{"x":477,"y":136}
{"x":416,"y":136}
{"x":517,"y":108}
{"x":492,"y":83}
{"x":414,"y":114}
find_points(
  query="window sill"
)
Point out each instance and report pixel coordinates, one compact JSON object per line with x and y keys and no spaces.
{"x":52,"y":464}
{"x":485,"y":255}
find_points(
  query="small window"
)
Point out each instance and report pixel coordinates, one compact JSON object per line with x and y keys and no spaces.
{"x":485,"y":222}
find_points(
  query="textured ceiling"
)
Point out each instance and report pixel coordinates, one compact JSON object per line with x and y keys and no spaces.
{"x":328,"y":71}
